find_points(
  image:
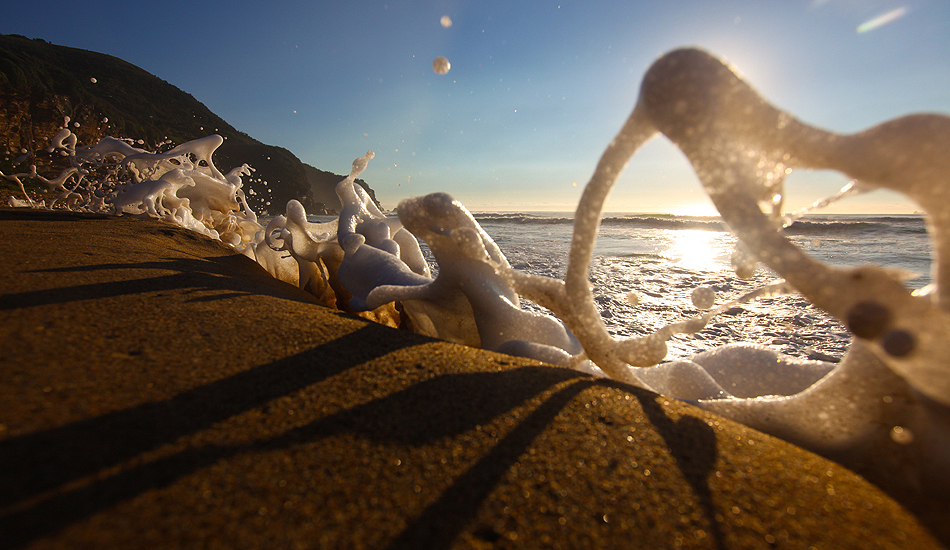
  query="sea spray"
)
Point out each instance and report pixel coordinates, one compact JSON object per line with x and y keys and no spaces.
{"x":898,"y":370}
{"x":883,"y":411}
{"x":468,"y":259}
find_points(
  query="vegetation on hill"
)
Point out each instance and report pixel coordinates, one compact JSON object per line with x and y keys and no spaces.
{"x":42,"y":84}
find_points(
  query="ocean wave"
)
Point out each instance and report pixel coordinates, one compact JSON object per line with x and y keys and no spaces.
{"x":824,"y":225}
{"x":651,"y":221}
{"x":859,"y":226}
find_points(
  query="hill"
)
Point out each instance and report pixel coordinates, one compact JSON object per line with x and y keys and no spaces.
{"x":41,"y":84}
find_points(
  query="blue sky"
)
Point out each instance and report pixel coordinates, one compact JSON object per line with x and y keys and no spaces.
{"x":536,"y":89}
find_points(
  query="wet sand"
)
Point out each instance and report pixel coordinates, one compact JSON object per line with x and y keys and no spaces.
{"x":158,"y":390}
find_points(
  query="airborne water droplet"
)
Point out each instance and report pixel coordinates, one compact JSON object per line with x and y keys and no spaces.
{"x":703,"y":297}
{"x":902,"y":435}
{"x":441,"y":65}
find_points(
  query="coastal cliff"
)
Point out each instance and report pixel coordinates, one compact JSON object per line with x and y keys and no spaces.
{"x":42,"y":84}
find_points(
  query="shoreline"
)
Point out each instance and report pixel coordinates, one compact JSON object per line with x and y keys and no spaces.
{"x":160,"y":390}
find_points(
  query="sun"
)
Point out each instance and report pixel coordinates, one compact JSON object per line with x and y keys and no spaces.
{"x":696,"y":209}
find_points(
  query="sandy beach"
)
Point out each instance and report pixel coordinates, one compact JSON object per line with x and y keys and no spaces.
{"x":158,"y":390}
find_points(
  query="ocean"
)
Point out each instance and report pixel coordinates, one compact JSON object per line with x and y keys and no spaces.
{"x":662,"y":258}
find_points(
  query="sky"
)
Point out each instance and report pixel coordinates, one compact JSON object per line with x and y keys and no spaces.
{"x":535,"y":91}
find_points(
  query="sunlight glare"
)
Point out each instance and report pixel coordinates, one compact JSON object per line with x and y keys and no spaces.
{"x":696,"y":209}
{"x":698,"y":249}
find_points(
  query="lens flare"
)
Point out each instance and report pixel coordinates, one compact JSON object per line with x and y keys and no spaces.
{"x":882,"y":20}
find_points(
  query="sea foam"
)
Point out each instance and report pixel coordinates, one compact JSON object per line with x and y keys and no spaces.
{"x":883,"y":411}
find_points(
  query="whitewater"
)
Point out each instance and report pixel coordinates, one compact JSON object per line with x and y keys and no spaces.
{"x":659,"y":259}
{"x":662,"y":258}
{"x":829,"y":332}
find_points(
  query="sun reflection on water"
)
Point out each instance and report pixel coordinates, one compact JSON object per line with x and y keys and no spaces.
{"x":699,"y":249}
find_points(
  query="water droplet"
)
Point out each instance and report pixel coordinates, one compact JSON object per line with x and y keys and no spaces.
{"x":902,"y":435}
{"x":898,"y":342}
{"x":868,"y":319}
{"x":441,"y":65}
{"x":703,"y":297}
